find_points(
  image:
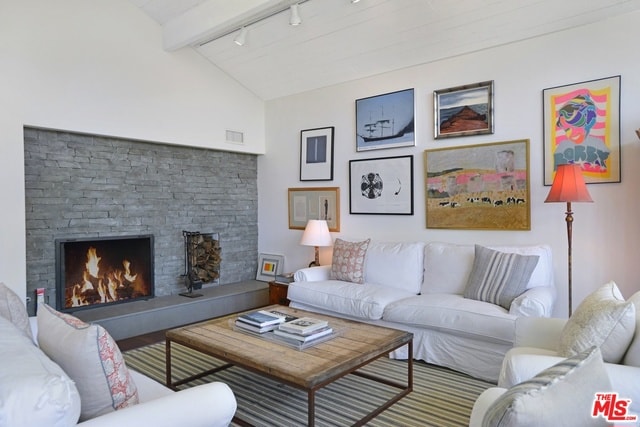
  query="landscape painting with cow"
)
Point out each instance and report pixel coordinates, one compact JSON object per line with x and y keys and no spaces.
{"x":483,"y":187}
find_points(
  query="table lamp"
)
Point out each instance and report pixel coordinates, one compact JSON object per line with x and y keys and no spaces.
{"x":316,"y":234}
{"x":568,"y":186}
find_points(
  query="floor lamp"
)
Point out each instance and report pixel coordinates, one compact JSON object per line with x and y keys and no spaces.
{"x":316,"y":234}
{"x":568,"y":186}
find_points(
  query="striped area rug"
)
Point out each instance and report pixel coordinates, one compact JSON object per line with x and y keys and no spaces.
{"x":441,"y":397}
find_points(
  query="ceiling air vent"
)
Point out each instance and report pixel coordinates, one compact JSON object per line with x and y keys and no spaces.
{"x":235,"y":137}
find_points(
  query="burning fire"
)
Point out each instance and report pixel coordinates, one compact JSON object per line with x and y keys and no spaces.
{"x":110,"y":286}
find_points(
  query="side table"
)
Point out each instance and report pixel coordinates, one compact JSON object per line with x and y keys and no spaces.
{"x":278,"y":293}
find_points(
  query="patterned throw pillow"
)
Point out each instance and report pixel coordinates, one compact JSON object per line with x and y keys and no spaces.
{"x":348,"y":260}
{"x":632,"y":356}
{"x":13,"y":309}
{"x":499,"y":277}
{"x":602,"y":319}
{"x":91,"y":358}
{"x":549,"y":398}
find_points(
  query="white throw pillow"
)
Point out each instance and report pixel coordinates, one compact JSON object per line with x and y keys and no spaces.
{"x":632,"y":357}
{"x":561,"y":395}
{"x":91,"y":358}
{"x":602,"y":319}
{"x":499,"y":277}
{"x":347,"y":263}
{"x":13,"y":309}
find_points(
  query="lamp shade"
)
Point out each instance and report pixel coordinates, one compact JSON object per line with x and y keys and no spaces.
{"x":316,"y":233}
{"x":568,"y":185}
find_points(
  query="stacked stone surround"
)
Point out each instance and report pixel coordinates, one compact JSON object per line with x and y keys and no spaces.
{"x":80,"y":185}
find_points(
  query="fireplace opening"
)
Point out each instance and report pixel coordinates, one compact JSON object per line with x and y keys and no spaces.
{"x":99,"y":271}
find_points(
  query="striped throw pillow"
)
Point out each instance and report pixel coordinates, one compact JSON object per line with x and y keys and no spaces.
{"x":561,"y":395}
{"x":499,"y":277}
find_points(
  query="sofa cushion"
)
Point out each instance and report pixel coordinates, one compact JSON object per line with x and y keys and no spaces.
{"x":550,"y":397}
{"x":397,"y":265}
{"x":91,"y":358}
{"x":365,"y":301}
{"x":632,"y":356}
{"x":499,"y":277}
{"x":348,"y":260}
{"x":602,"y":319}
{"x":455,"y":315}
{"x":13,"y":309}
{"x":34,"y":391}
{"x":447,"y":266}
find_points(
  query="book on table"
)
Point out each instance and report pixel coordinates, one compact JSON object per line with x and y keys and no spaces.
{"x":253,"y":328}
{"x":319,"y":333}
{"x":303,"y":325}
{"x":261,"y":318}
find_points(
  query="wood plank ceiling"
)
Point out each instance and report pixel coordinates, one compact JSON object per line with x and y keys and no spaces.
{"x":340,"y":41}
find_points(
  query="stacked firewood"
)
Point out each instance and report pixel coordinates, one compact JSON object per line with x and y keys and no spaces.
{"x":206,"y":257}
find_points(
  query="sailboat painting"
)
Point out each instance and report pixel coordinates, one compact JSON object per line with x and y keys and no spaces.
{"x":385,"y":121}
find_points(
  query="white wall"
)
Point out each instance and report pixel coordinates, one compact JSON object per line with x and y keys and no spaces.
{"x":99,"y":67}
{"x":605,"y":233}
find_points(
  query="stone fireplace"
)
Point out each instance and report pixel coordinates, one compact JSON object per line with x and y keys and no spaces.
{"x":82,"y":186}
{"x":95,"y":272}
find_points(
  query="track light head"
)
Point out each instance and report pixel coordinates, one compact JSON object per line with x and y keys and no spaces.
{"x":294,"y":19}
{"x":241,"y":38}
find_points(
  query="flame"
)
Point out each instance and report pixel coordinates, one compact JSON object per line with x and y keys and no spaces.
{"x":96,"y":288}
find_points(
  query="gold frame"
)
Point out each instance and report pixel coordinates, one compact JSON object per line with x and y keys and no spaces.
{"x":306,"y":204}
{"x":478,"y":187}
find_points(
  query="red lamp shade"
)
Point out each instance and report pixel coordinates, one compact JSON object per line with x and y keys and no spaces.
{"x":568,"y":185}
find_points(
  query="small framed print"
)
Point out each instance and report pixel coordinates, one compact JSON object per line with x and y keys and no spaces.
{"x":268,"y":266}
{"x":463,"y":110}
{"x":316,"y":154}
{"x":314,"y":203}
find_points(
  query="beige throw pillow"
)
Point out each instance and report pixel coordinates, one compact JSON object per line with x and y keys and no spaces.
{"x":91,"y":358}
{"x":604,"y":320}
{"x":499,"y":277}
{"x":348,"y":260}
{"x":13,"y":309}
{"x":550,"y":398}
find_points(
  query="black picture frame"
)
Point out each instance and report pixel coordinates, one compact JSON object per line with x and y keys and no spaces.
{"x":381,"y":186}
{"x":316,"y":154}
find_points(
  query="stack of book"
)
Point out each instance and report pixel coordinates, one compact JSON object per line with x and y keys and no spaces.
{"x":262,"y":321}
{"x":303,"y":330}
{"x":284,"y":278}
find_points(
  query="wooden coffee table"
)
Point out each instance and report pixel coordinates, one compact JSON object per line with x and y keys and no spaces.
{"x":357,"y":345}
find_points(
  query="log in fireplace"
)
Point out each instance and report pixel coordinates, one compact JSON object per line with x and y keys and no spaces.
{"x":98,"y":271}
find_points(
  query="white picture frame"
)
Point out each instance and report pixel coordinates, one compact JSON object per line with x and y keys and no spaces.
{"x":268,"y":266}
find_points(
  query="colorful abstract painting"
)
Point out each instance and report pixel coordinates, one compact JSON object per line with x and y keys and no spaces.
{"x":582,"y":125}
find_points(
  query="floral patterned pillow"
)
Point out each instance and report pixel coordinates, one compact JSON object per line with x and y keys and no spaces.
{"x":348,"y":260}
{"x":91,"y":358}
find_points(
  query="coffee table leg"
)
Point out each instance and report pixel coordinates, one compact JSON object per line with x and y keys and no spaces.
{"x":168,"y":363}
{"x":311,"y":408}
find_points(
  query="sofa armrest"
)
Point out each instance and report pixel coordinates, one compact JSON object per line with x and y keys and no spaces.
{"x":482,"y":404}
{"x":534,"y":302}
{"x":539,"y":332}
{"x":207,"y":405}
{"x":312,"y":274}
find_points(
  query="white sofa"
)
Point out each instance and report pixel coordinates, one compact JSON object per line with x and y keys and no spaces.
{"x":35,"y":391}
{"x":418,"y":287}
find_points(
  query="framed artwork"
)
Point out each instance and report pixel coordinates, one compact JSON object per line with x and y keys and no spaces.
{"x":268,"y":266}
{"x":316,"y":154}
{"x":582,"y":125}
{"x":314,"y":203}
{"x":385,"y":121}
{"x":479,"y":187}
{"x":463,"y":110}
{"x":382,"y":186}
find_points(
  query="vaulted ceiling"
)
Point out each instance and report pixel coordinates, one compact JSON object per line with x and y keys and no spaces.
{"x":342,"y":40}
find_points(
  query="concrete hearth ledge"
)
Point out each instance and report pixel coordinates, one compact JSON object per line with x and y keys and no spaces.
{"x":142,"y":317}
